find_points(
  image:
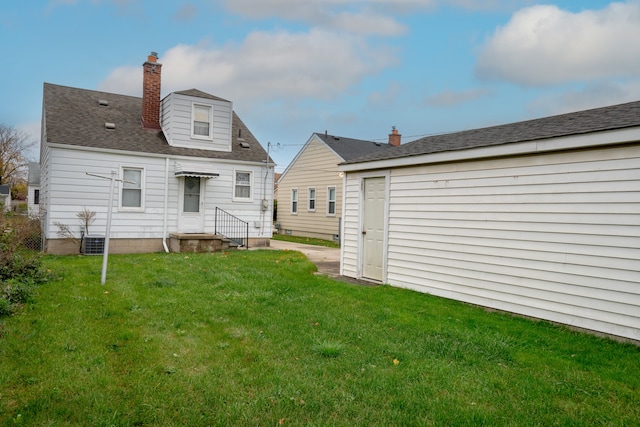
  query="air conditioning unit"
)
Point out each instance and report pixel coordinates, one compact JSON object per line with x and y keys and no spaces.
{"x":93,"y":245}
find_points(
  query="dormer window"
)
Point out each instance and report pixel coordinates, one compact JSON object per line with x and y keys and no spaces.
{"x":202,"y":119}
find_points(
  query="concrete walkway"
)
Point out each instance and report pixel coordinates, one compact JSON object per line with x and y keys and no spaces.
{"x":326,"y":259}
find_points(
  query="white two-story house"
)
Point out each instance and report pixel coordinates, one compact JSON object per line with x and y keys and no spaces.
{"x":183,"y":167}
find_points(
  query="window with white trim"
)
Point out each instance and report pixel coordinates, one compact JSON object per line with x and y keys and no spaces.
{"x":132,"y":193}
{"x":242,"y":186}
{"x":312,"y":199}
{"x":202,"y":116}
{"x":331,"y":200}
{"x":294,"y":200}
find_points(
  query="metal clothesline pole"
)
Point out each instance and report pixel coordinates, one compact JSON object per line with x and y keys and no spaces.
{"x":105,"y":255}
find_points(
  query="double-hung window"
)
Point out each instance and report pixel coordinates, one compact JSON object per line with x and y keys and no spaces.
{"x":132,"y":189}
{"x":331,"y":200}
{"x":202,"y":118}
{"x":242,"y":186}
{"x":294,"y":200}
{"x":312,"y":199}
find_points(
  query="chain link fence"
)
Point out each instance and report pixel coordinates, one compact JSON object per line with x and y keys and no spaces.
{"x":20,"y":231}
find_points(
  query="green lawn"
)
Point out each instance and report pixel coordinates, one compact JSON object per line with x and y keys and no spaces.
{"x":253,"y":338}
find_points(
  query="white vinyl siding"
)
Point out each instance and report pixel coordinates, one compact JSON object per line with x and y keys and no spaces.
{"x":553,"y":236}
{"x":351,"y":236}
{"x":178,"y":115}
{"x":69,"y":190}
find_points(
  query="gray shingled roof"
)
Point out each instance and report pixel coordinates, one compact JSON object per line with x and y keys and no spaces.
{"x":581,"y":122}
{"x":73,"y":117}
{"x":200,"y":94}
{"x":349,"y":148}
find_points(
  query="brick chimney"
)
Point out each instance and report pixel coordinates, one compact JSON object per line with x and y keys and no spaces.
{"x":394,"y":137}
{"x":151,"y":92}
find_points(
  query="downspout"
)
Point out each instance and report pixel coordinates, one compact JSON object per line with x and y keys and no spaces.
{"x":165,"y":219}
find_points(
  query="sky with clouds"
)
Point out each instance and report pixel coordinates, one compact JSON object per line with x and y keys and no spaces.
{"x":354,"y":68}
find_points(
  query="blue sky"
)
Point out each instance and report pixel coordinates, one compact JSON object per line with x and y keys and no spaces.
{"x":352,"y":68}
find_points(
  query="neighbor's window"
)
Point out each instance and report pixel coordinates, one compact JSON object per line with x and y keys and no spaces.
{"x":294,"y":200}
{"x":331,"y":201}
{"x":131,"y":188}
{"x":202,"y":118}
{"x":312,"y":199}
{"x":242,"y":185}
{"x":36,"y":197}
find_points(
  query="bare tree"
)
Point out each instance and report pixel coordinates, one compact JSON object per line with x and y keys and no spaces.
{"x":86,"y":218}
{"x":14,"y":145}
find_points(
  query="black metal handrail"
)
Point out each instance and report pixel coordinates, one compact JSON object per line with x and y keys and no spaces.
{"x":232,"y":227}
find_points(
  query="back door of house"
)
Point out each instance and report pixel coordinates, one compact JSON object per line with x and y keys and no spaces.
{"x":191,"y":218}
{"x":373,"y":228}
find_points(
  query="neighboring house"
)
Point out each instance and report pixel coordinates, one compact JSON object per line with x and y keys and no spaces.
{"x":539,"y":218}
{"x":181,"y":158}
{"x":33,"y":195}
{"x":310,"y":188}
{"x":276,"y":177}
{"x":5,"y":198}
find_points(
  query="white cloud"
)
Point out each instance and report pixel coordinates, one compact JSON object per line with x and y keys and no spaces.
{"x":367,"y":23}
{"x":323,"y":11}
{"x":450,"y":98}
{"x":592,"y":96}
{"x":387,"y":98}
{"x":307,"y":9}
{"x":487,"y":4}
{"x":265,"y":66}
{"x":352,"y":16}
{"x":31,"y":131}
{"x":186,"y":12}
{"x":543,"y":45}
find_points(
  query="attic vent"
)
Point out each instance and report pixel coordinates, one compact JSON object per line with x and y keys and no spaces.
{"x":103,"y":103}
{"x":244,"y":145}
{"x":336,"y":138}
{"x":109,"y":126}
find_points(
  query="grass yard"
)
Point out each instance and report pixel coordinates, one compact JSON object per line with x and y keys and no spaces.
{"x":252,"y":338}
